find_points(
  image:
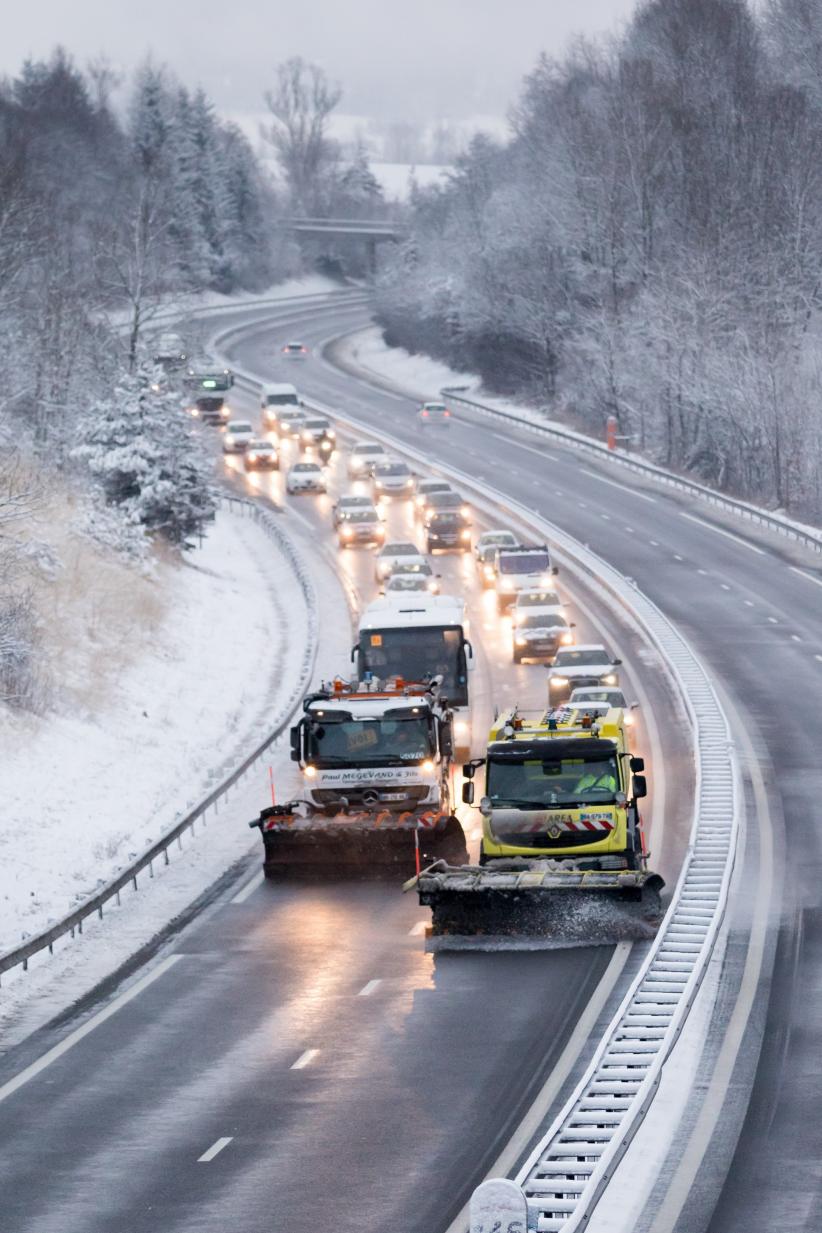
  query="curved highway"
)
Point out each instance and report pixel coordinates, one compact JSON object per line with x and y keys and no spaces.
{"x":358,"y":1083}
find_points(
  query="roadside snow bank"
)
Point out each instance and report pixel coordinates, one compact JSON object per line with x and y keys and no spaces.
{"x":181,"y":306}
{"x":419,"y":376}
{"x":86,"y":790}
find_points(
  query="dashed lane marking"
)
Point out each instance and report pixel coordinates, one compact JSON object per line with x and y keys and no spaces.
{"x":795,"y":638}
{"x":773,"y":620}
{"x":724,"y":586}
{"x":305,"y":1059}
{"x":369,"y":988}
{"x":419,"y":928}
{"x":214,"y":1150}
{"x":709,"y":526}
{"x":748,"y":603}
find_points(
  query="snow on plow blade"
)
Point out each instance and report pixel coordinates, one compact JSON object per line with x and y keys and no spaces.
{"x":358,"y":845}
{"x":532,"y":908}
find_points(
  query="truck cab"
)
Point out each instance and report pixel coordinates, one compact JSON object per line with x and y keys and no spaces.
{"x":519,"y":569}
{"x":561,"y":785}
{"x":375,"y":745}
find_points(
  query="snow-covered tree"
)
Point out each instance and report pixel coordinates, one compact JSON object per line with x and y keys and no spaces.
{"x":140,"y":446}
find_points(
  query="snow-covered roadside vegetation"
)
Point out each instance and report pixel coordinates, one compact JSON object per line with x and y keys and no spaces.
{"x":165,"y":675}
{"x":648,"y":244}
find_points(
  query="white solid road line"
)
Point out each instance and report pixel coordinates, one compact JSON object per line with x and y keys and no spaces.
{"x":709,"y":526}
{"x":368,"y":989}
{"x":530,"y":1124}
{"x":79,"y":1033}
{"x":214,"y":1150}
{"x":643,"y":496}
{"x":305,"y":1059}
{"x":803,"y":574}
{"x":250,"y":887}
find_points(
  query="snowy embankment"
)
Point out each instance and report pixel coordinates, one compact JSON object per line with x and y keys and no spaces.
{"x":193,"y":660}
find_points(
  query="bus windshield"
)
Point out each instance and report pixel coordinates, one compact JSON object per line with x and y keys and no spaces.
{"x":418,"y":653}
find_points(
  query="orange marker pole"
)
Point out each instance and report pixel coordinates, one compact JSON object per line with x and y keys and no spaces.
{"x":271,"y":782}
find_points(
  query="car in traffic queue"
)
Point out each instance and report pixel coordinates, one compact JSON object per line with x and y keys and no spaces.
{"x":420,"y":570}
{"x":434,"y":415}
{"x":276,"y":397}
{"x":425,"y":488}
{"x":392,"y":478}
{"x":446,"y":502}
{"x":294,"y":351}
{"x":536,"y":599}
{"x":343,"y":506}
{"x":261,"y":455}
{"x":521,"y":569}
{"x":539,"y":635}
{"x":394,"y":554}
{"x":238,"y":436}
{"x":363,"y":457}
{"x":362,"y":526}
{"x":448,"y":529}
{"x":587,"y":695}
{"x":485,"y":551}
{"x":407,"y":583}
{"x":290,"y":424}
{"x":575,"y":666}
{"x":305,"y":477}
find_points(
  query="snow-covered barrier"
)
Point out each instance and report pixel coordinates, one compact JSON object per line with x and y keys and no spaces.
{"x":72,"y":923}
{"x":780,"y":524}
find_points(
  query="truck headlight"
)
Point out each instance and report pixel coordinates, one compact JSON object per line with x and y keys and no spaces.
{"x":488,"y":570}
{"x":610,"y":679}
{"x":427,"y":767}
{"x":558,"y":681}
{"x":507,"y":584}
{"x":310,"y":772}
{"x":466,"y":534}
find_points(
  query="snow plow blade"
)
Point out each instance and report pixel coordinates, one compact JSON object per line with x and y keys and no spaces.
{"x":299,"y":843}
{"x":534,"y":906}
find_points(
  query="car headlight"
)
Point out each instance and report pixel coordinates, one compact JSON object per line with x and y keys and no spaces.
{"x":507,"y":584}
{"x":433,"y":587}
{"x":610,"y":679}
{"x":520,"y":641}
{"x":465,"y":511}
{"x":567,"y":639}
{"x":557,"y":681}
{"x":194,"y":411}
{"x":461,"y":728}
{"x":466,"y":534}
{"x":488,"y":570}
{"x":346,"y":532}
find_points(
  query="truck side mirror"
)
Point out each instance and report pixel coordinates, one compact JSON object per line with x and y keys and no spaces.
{"x":637,"y":765}
{"x":640,"y":787}
{"x":468,"y":770}
{"x":354,"y":650}
{"x":296,"y":742}
{"x":446,"y":740}
{"x":468,"y":648}
{"x":468,"y":793}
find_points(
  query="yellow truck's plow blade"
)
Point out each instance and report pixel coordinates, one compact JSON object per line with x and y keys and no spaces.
{"x":535,"y":905}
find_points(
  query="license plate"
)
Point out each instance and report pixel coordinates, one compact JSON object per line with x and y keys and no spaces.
{"x":392,"y":796}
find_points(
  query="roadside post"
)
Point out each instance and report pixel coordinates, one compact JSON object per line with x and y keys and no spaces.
{"x":499,"y":1206}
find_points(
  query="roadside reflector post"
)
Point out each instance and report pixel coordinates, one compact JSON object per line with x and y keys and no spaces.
{"x":271,"y":783}
{"x":499,"y":1206}
{"x":611,"y":432}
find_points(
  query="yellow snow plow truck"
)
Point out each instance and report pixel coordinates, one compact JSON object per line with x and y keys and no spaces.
{"x":563,"y":858}
{"x":375,"y":757}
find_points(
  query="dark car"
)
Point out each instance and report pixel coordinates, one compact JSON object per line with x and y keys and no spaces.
{"x":448,"y":529}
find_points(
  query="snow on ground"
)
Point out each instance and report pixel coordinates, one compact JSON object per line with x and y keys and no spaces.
{"x":86,"y":789}
{"x":52,"y":983}
{"x":172,"y":309}
{"x":417,"y":375}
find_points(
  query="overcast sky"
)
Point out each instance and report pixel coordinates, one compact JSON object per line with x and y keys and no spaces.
{"x":399,"y":59}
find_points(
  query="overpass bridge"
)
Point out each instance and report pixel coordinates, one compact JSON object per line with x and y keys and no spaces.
{"x":371,"y":231}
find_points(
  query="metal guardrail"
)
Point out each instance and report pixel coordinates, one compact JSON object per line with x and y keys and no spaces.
{"x":569,"y":1169}
{"x":751,"y":513}
{"x":73,"y":922}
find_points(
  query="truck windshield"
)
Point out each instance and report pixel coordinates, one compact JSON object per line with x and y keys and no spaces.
{"x":213,"y":381}
{"x":543,"y":784}
{"x":281,"y":400}
{"x":523,"y":562}
{"x":418,"y":653}
{"x":369,"y":742}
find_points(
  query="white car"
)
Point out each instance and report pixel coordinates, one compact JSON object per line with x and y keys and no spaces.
{"x":363,"y":457}
{"x":305,"y":477}
{"x":421,"y":575}
{"x":401,"y":584}
{"x":346,"y":505}
{"x":576,"y":666}
{"x":539,"y":635}
{"x":537,"y":599}
{"x":395,"y":554}
{"x":585,"y":697}
{"x":423,"y":488}
{"x":261,"y":456}
{"x":434,"y":415}
{"x":294,"y":351}
{"x":392,"y":479}
{"x":237,"y":437}
{"x":362,"y":526}
{"x":275,"y":398}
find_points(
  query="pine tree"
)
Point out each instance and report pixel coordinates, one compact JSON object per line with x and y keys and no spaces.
{"x":141,"y":448}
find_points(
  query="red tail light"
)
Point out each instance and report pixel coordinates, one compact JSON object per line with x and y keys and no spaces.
{"x":446,"y":413}
{"x":425,"y":415}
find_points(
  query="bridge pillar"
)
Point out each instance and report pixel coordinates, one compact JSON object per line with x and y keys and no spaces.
{"x":371,"y":257}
